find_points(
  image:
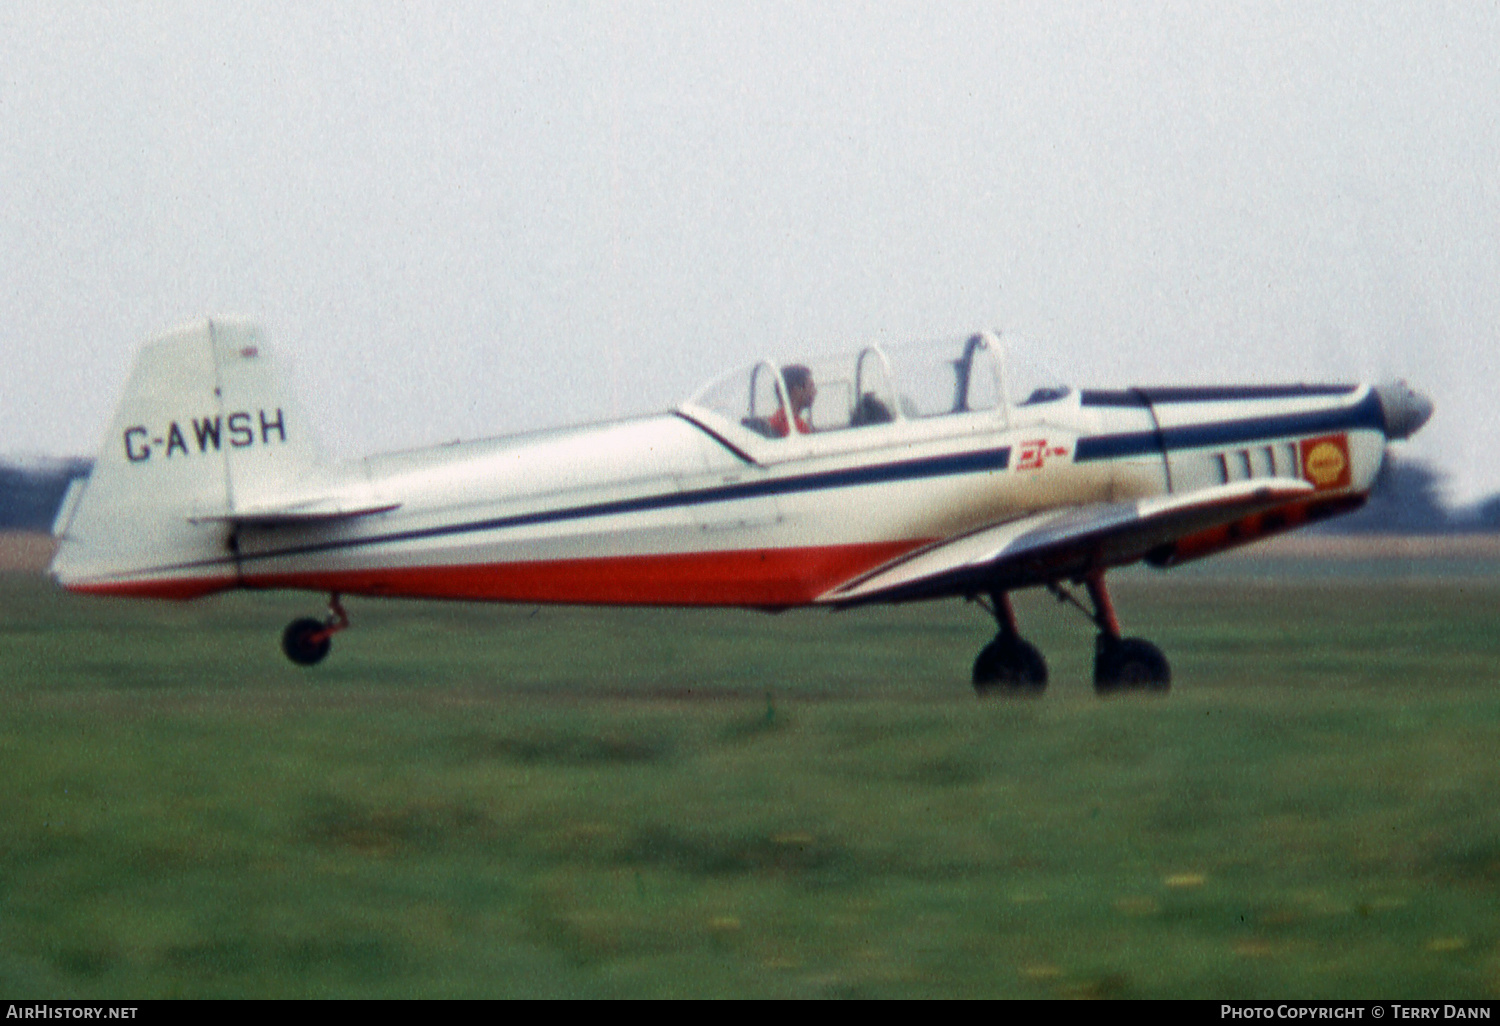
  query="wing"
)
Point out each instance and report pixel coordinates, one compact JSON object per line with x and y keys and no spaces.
{"x":1061,"y":543}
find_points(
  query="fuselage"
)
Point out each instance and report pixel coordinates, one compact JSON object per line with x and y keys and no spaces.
{"x":661,"y":511}
{"x":700,"y":506}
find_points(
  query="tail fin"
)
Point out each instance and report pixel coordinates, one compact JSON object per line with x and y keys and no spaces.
{"x":204,"y":429}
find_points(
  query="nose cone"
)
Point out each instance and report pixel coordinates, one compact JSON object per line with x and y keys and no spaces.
{"x":1404,"y":408}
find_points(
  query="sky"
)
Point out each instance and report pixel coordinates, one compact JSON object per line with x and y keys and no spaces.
{"x":456,"y":221}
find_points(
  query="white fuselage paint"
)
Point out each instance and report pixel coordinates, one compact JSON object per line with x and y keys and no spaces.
{"x":689,"y":508}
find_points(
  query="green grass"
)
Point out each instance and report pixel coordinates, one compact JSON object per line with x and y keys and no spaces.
{"x":479,"y":801}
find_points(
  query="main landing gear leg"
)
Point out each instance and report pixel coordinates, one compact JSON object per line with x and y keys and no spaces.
{"x":307,"y":641}
{"x":1009,"y":665}
{"x":1120,"y":664}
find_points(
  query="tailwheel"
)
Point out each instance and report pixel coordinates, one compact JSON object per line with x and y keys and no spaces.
{"x":1129,"y":664}
{"x":1009,"y":665}
{"x":307,"y":642}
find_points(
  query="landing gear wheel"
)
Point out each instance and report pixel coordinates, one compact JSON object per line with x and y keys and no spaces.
{"x":1010,"y":665}
{"x":1129,"y":664}
{"x":306,"y":641}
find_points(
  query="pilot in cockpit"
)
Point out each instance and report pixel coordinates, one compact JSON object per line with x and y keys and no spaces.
{"x":800,"y":395}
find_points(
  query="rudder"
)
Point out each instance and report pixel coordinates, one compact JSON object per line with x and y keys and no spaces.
{"x":204,"y":428}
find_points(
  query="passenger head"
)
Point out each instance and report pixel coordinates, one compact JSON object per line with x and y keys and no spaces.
{"x":799,"y":386}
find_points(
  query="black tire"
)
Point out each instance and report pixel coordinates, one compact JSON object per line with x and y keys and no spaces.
{"x":1010,"y":666}
{"x":1130,"y":664}
{"x":306,"y":641}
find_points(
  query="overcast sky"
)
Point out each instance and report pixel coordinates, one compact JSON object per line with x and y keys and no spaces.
{"x":465,"y":220}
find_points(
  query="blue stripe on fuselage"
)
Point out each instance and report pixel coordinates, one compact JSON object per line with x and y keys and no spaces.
{"x":1158,"y":395}
{"x":1364,"y":414}
{"x":984,"y":461}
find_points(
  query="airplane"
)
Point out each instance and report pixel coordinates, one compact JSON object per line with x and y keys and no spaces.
{"x":884,"y":475}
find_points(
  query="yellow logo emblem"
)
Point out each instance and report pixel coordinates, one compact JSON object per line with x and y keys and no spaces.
{"x":1325,"y":464}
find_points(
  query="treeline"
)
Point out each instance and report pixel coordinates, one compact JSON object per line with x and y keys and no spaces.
{"x":32,"y":492}
{"x":1407,"y":499}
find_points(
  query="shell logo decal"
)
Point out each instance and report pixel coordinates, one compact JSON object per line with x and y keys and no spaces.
{"x":1325,"y":461}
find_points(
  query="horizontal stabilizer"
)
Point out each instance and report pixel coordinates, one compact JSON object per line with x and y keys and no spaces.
{"x":1063,"y":543}
{"x":293,"y":515}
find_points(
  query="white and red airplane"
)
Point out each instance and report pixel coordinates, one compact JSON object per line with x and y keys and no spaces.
{"x":886,"y":475}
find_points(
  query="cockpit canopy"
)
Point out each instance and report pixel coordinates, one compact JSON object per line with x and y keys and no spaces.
{"x":874,"y":386}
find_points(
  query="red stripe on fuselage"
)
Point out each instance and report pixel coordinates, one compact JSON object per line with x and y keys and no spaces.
{"x":755,"y":577}
{"x":176,"y":588}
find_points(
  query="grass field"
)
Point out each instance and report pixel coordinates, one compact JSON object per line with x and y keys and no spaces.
{"x":477,"y":801}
